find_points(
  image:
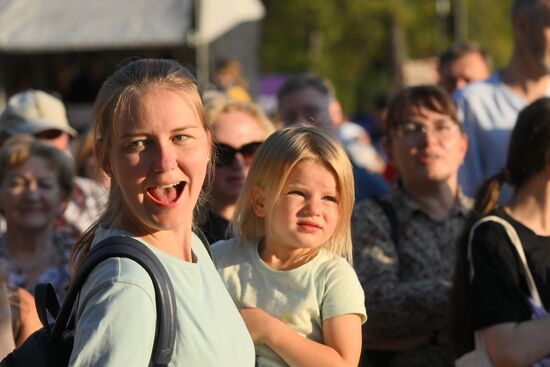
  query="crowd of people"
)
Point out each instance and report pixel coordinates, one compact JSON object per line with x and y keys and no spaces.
{"x":297,"y":239}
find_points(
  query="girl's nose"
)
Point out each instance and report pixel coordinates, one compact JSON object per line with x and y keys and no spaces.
{"x":165,"y":159}
{"x":313,"y":207}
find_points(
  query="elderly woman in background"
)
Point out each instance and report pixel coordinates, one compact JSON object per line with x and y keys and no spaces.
{"x":238,"y":129}
{"x":35,"y":183}
{"x":404,"y":244}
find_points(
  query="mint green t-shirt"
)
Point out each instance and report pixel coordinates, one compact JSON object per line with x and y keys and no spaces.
{"x":302,"y":298}
{"x":116,"y":314}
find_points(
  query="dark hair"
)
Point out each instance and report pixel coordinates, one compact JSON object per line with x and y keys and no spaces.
{"x":431,"y":97}
{"x":528,"y":155}
{"x":302,"y":81}
{"x":459,"y":49}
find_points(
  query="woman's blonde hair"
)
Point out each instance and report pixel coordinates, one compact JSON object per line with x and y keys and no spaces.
{"x":271,"y":166}
{"x":216,"y":103}
{"x":19,"y":149}
{"x":113,"y":104}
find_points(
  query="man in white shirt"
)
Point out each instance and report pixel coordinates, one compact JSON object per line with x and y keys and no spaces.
{"x":489,"y":108}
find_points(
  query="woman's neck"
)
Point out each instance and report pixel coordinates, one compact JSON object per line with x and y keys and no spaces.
{"x":173,"y":242}
{"x":225,"y":210}
{"x":283,"y":259}
{"x":435,"y":199}
{"x":27,"y":243}
{"x":531,"y":205}
{"x":32,"y":252}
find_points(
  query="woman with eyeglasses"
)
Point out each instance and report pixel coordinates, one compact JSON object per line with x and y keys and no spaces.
{"x":238,"y":129}
{"x":404,"y":243}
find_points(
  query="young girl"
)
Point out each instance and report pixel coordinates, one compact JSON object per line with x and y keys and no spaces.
{"x":301,"y":301}
{"x":490,"y":295}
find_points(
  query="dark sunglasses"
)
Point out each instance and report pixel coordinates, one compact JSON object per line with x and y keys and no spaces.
{"x":48,"y":134}
{"x":226,"y":153}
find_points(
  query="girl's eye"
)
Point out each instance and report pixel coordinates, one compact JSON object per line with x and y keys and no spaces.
{"x":296,"y":192}
{"x":136,"y":144}
{"x":179,"y":138}
{"x":333,"y":199}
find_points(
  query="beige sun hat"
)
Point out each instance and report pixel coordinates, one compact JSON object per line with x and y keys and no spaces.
{"x":34,"y":111}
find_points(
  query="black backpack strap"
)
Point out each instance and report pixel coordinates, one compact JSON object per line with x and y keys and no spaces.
{"x":390,"y":213}
{"x":46,"y":302}
{"x":127,"y":247}
{"x":200,"y":234}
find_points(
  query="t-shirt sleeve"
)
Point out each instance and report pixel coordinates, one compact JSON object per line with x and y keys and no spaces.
{"x":343,"y":292}
{"x":116,"y":317}
{"x":496,"y":294}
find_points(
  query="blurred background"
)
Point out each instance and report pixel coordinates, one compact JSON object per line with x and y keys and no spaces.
{"x":365,"y":47}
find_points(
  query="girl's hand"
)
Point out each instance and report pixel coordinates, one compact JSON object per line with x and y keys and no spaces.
{"x":257,"y":322}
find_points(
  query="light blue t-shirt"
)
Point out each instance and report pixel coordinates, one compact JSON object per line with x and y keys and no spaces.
{"x":488,"y":110}
{"x":302,"y":298}
{"x":116,"y":314}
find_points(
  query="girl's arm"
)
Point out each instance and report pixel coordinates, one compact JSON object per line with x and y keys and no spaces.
{"x":517,"y":344}
{"x":342,"y":337}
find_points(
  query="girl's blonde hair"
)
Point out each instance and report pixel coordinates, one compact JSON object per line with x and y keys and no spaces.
{"x":271,"y":166}
{"x":113,"y":104}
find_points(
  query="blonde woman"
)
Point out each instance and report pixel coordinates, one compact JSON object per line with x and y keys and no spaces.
{"x":238,"y":129}
{"x":153,"y":140}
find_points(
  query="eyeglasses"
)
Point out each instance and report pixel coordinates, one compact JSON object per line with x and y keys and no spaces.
{"x":48,"y":134}
{"x":226,"y":153}
{"x":413,"y":132}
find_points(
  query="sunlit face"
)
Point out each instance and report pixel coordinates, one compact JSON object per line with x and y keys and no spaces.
{"x":306,"y":214}
{"x":427,"y":148}
{"x":158,"y":158}
{"x":233,"y":128}
{"x":305,"y":105}
{"x":30,"y":195}
{"x":468,"y":68}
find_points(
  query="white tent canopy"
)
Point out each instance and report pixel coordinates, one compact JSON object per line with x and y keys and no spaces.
{"x":64,"y":25}
{"x":79,"y":25}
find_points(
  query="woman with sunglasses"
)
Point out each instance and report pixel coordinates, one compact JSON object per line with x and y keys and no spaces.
{"x":238,"y":130}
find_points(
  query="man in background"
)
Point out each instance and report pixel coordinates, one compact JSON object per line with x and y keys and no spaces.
{"x":462,"y":63}
{"x":306,"y":98}
{"x":489,"y":108}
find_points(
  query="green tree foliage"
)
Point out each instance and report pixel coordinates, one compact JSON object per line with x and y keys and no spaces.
{"x":359,"y":44}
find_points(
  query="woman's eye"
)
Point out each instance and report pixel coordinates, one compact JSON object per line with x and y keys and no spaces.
{"x":136,"y":144}
{"x":179,"y":138}
{"x":46,"y":185}
{"x":330,"y":198}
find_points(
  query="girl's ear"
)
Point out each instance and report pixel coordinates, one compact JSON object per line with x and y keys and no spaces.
{"x":257,"y":198}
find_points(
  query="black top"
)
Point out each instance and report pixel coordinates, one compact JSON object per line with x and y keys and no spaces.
{"x":214,"y":227}
{"x":499,"y":288}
